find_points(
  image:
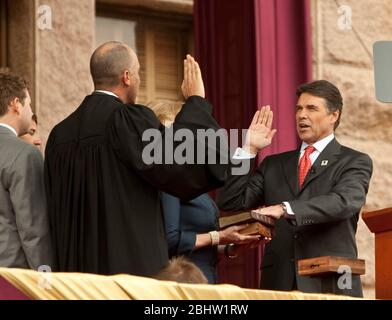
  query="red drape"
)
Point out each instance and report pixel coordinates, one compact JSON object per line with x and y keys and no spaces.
{"x":284,"y":61}
{"x":9,"y":292}
{"x":253,"y":52}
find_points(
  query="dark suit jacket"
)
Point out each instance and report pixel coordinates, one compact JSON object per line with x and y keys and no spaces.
{"x":326,"y":211}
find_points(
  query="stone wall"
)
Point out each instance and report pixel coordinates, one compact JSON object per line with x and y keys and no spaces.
{"x":344,"y":57}
{"x":21,"y":41}
{"x":63,"y":54}
{"x":62,"y":60}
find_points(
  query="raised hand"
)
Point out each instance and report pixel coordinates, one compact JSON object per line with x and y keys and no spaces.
{"x":192,"y":85}
{"x":259,"y":134}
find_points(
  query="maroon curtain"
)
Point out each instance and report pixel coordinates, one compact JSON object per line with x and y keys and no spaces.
{"x":226,"y":50}
{"x":284,"y":61}
{"x":253,"y":52}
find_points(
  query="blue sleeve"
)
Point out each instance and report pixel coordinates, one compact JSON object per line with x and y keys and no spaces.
{"x":178,"y":240}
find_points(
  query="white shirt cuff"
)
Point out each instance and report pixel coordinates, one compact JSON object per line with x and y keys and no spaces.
{"x":241,"y":154}
{"x":288,"y":207}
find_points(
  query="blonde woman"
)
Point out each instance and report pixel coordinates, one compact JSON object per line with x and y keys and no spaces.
{"x":191,"y":226}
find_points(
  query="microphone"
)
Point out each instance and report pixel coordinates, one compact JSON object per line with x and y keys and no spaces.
{"x":312,"y":170}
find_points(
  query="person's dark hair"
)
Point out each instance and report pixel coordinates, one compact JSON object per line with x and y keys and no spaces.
{"x":107,"y":64}
{"x":11,"y":86}
{"x":324,"y":89}
{"x":181,"y":270}
{"x":35,"y":118}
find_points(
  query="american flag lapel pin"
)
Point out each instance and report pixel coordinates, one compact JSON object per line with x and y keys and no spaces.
{"x":324,"y":162}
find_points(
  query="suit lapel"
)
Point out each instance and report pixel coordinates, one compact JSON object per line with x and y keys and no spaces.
{"x":323,"y":161}
{"x":290,"y":168}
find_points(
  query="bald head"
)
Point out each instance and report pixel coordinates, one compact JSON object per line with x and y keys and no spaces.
{"x":114,"y":64}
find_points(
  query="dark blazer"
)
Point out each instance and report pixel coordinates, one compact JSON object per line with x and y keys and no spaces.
{"x":183,"y":221}
{"x":326,"y":212}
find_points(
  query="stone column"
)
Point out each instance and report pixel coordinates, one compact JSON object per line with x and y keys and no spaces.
{"x":343,"y":55}
{"x":21,"y":41}
{"x":63,"y":52}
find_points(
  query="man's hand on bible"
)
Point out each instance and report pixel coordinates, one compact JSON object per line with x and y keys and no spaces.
{"x":272,"y":211}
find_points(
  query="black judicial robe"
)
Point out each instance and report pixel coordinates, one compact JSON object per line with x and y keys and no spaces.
{"x":103,"y":200}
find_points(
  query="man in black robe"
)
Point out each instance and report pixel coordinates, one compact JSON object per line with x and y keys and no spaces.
{"x":103,"y":198}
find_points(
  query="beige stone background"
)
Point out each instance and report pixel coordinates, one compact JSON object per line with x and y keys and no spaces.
{"x":62,"y":61}
{"x":62,"y":53}
{"x":342,"y":56}
{"x":62,"y":80}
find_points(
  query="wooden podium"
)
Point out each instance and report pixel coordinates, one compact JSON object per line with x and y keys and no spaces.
{"x":380,"y":223}
{"x":328,"y":269}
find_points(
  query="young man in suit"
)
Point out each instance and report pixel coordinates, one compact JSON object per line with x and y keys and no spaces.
{"x":316,"y":192}
{"x":24,"y":230}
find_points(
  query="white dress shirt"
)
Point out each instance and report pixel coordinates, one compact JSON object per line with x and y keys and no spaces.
{"x":107,"y":92}
{"x":319,"y":146}
{"x":241,"y":154}
{"x":9,"y":127}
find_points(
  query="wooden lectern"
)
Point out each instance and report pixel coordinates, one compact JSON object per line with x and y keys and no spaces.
{"x":380,"y":223}
{"x":328,"y":268}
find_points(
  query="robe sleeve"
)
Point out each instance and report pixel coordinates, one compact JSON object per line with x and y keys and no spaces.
{"x":131,"y":124}
{"x":243,"y":192}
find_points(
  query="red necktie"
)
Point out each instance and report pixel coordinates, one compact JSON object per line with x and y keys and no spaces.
{"x":305,"y":164}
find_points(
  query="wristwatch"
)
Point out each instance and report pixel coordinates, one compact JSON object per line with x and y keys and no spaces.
{"x":227,"y":251}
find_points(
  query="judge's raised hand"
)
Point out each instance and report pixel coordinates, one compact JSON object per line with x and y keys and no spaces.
{"x":260,"y":134}
{"x":192,"y":85}
{"x":232,"y":235}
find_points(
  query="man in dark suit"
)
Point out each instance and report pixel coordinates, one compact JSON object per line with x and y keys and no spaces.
{"x":316,"y":192}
